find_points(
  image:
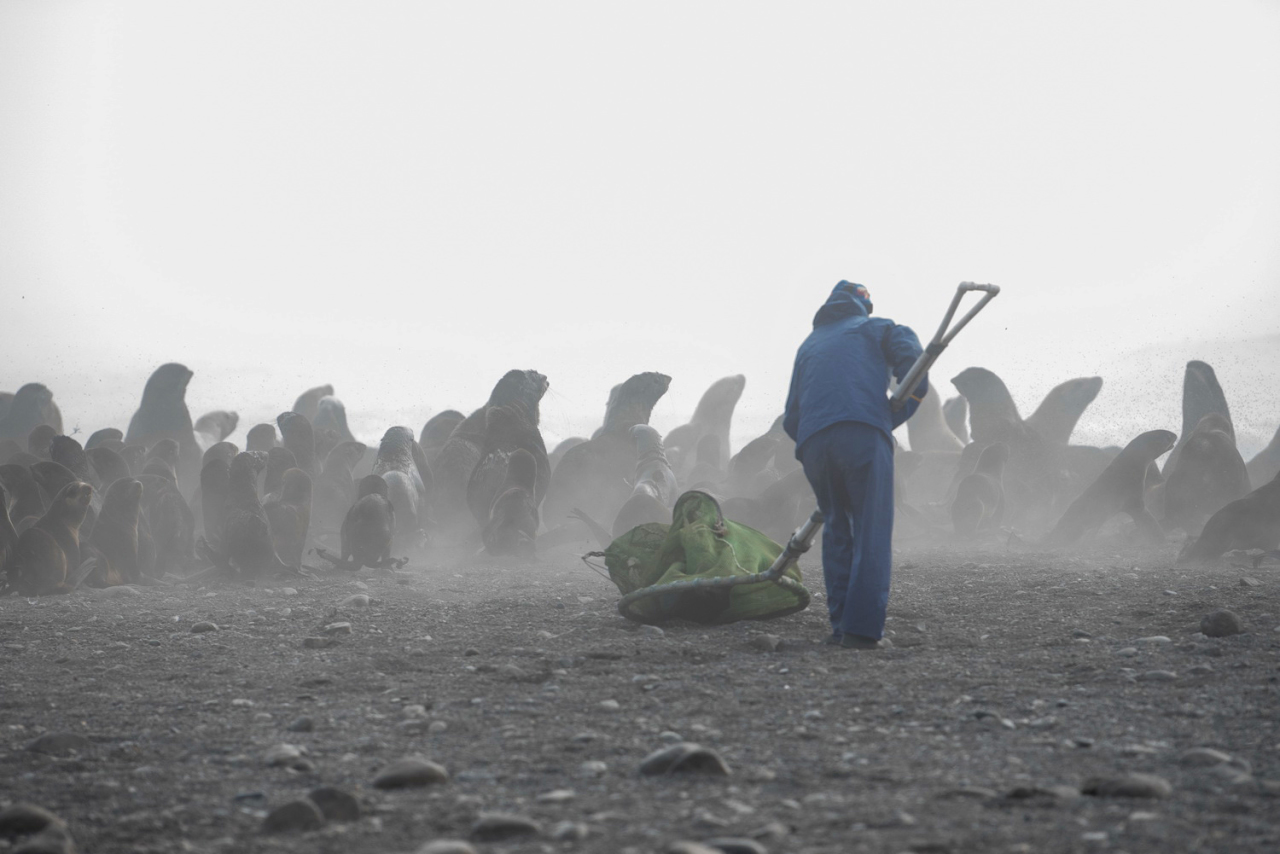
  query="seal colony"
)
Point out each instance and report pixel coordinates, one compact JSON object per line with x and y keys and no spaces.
{"x":170,"y":497}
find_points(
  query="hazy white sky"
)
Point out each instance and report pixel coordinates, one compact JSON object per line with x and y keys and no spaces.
{"x":407,"y":199}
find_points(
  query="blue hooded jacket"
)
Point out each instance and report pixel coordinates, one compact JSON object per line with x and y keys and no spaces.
{"x":842,"y":370}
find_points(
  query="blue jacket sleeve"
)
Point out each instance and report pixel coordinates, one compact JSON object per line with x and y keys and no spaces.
{"x":901,"y":349}
{"x":791,"y":415}
{"x":913,"y":403}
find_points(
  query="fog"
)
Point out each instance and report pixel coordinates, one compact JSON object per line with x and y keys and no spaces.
{"x":407,"y":200}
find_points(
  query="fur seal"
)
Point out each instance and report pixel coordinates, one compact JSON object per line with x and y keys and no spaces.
{"x":437,"y":431}
{"x":1266,"y":463}
{"x":246,"y":533}
{"x":212,"y":427}
{"x":308,"y":403}
{"x":1201,"y":395}
{"x":215,"y":488}
{"x":453,"y":466}
{"x":562,"y":447}
{"x":8,"y":536}
{"x":24,"y":492}
{"x":10,"y":451}
{"x":171,"y":524}
{"x":927,"y":430}
{"x":956,"y":413}
{"x":369,"y":526}
{"x":40,"y":440}
{"x":52,"y":477}
{"x":511,"y":527}
{"x":68,"y":452}
{"x":296,"y":435}
{"x":289,"y":516}
{"x":115,"y":535}
{"x":1208,"y":474}
{"x":106,"y":434}
{"x":279,"y":461}
{"x":594,"y":473}
{"x":507,"y":429}
{"x":1252,"y":522}
{"x":713,"y":416}
{"x":979,"y":501}
{"x":335,"y":489}
{"x":405,"y":488}
{"x":163,"y":459}
{"x":31,"y":406}
{"x":751,"y":463}
{"x":1056,"y":416}
{"x":48,"y":553}
{"x":261,"y":437}
{"x":163,"y":414}
{"x":654,"y":489}
{"x":708,"y":464}
{"x":134,"y":456}
{"x":1120,"y":488}
{"x":225,"y":451}
{"x":331,"y":415}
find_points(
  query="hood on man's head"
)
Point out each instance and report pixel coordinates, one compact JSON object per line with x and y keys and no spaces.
{"x":848,"y":299}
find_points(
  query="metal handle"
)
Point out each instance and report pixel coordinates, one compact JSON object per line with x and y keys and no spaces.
{"x":942,"y":338}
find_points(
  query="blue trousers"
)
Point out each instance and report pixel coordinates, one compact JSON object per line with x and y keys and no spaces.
{"x":850,"y":467}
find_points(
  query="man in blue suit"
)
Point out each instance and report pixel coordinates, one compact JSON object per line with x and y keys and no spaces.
{"x":839,"y":416}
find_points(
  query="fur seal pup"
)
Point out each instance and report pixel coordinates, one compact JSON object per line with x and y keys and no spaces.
{"x":215,"y":489}
{"x":594,"y":473}
{"x":115,"y":535}
{"x":1121,"y":488}
{"x":1252,"y":522}
{"x":40,"y":440}
{"x":225,"y":451}
{"x":171,"y":524}
{"x":453,"y":466}
{"x":48,"y":553}
{"x":1056,"y":416}
{"x":1208,"y":474}
{"x":1266,"y":463}
{"x":289,"y":516}
{"x":308,"y":403}
{"x":67,"y":451}
{"x":31,"y":406}
{"x":246,"y":533}
{"x":511,"y":528}
{"x":507,"y":429}
{"x":24,"y":492}
{"x":332,"y":415}
{"x":927,"y":430}
{"x":279,"y":461}
{"x":134,"y":456}
{"x":52,"y":477}
{"x":368,"y":528}
{"x":956,"y":413}
{"x":297,"y":435}
{"x":437,"y":431}
{"x":261,"y":437}
{"x":106,"y":434}
{"x":979,"y":501}
{"x":335,"y":489}
{"x":713,"y":416}
{"x":212,"y":427}
{"x":163,"y":414}
{"x":163,"y":460}
{"x":396,"y":465}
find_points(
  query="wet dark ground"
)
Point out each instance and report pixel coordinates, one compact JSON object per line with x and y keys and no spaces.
{"x":1015,"y":677}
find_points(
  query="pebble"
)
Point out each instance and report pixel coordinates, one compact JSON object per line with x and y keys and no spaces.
{"x":1221,"y":624}
{"x":670,"y":737}
{"x":1128,"y":786}
{"x":202,"y":627}
{"x":471,"y":650}
{"x":437,"y":727}
{"x":557,"y":796}
{"x":335,"y":803}
{"x":651,"y":632}
{"x":54,"y":839}
{"x":685,"y":757}
{"x":302,"y":724}
{"x":22,"y":819}
{"x":609,"y":705}
{"x":288,"y":591}
{"x":319,"y":643}
{"x":410,"y":771}
{"x":766,"y":643}
{"x":297,"y":815}
{"x":356,"y":600}
{"x":570,"y":831}
{"x":282,"y":755}
{"x":1155,"y":639}
{"x":59,"y":744}
{"x":337,"y":629}
{"x":736,"y":845}
{"x":1203,"y":757}
{"x":495,"y":826}
{"x":1199,"y":669}
{"x":511,"y":671}
{"x":1080,"y":634}
{"x":686,"y":847}
{"x":593,"y":768}
{"x":120,"y":591}
{"x":1248,"y":581}
{"x":1127,"y":652}
{"x":446,"y":846}
{"x":1157,"y":676}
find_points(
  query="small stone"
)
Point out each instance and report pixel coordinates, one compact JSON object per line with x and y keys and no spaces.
{"x":1155,"y":639}
{"x":1221,"y":624}
{"x":495,"y":826}
{"x":977,"y":793}
{"x":202,"y":627}
{"x":569,"y":831}
{"x":437,"y":727}
{"x":319,"y":643}
{"x":557,"y":796}
{"x":1248,"y":581}
{"x":355,"y":600}
{"x":59,"y":744}
{"x":446,"y":846}
{"x":766,"y":643}
{"x":609,"y":705}
{"x":24,"y":819}
{"x":414,"y":710}
{"x":1157,"y":676}
{"x":471,"y":650}
{"x":1127,"y":652}
{"x":593,"y":768}
{"x":684,"y":757}
{"x":297,"y":815}
{"x":651,"y":632}
{"x":670,"y":737}
{"x":410,"y":772}
{"x":1203,"y":757}
{"x":1199,"y":669}
{"x":512,"y":672}
{"x":288,"y":591}
{"x":54,"y":839}
{"x":282,"y":755}
{"x":686,"y":847}
{"x":336,"y":804}
{"x":736,"y":845}
{"x":337,"y":629}
{"x":302,"y":724}
{"x":1128,"y":786}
